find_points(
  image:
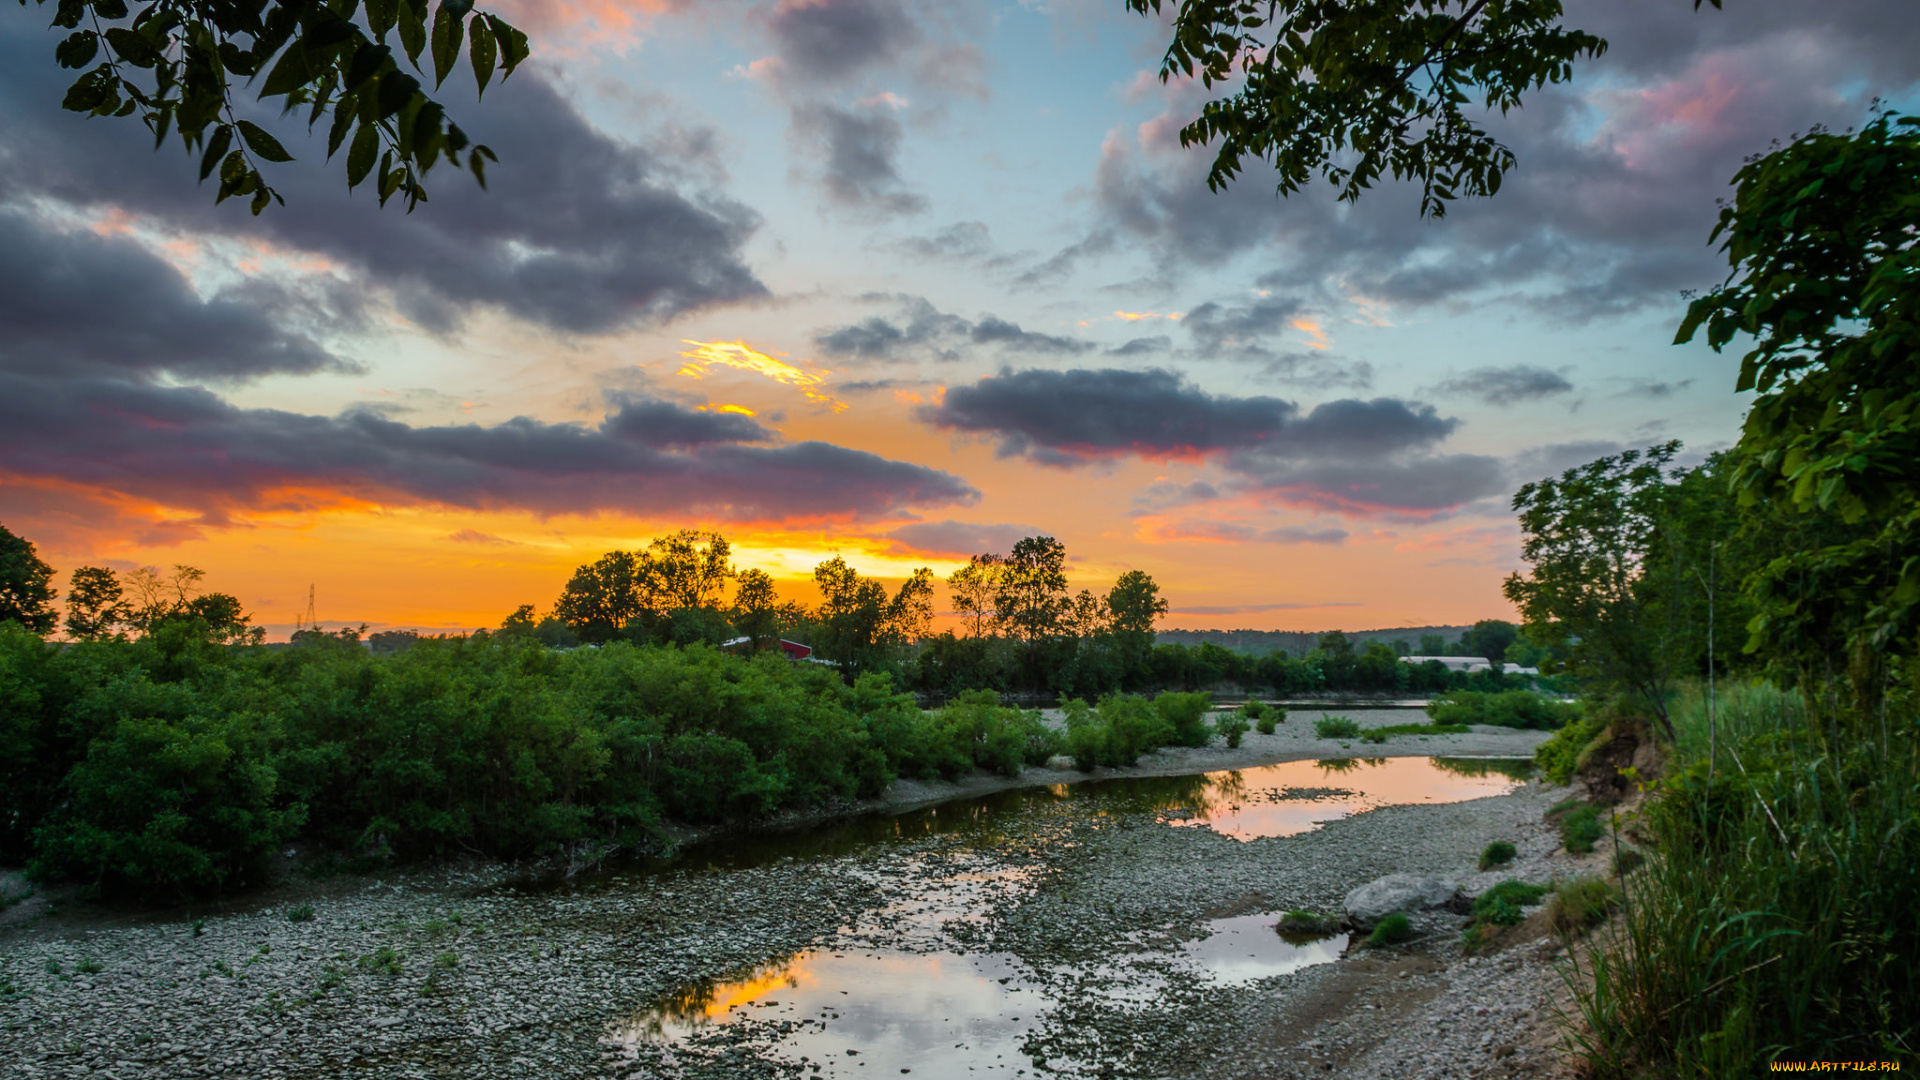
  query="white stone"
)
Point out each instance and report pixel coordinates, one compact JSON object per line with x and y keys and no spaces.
{"x":1403,"y":893}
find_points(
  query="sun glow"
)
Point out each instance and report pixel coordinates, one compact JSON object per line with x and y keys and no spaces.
{"x":736,"y":354}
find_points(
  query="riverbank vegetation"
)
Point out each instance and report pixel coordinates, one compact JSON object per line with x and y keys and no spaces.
{"x":1756,"y":617}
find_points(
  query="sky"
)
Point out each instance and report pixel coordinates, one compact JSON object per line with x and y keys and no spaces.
{"x":899,"y":281}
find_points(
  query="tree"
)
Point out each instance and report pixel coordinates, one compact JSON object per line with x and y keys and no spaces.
{"x":858,"y":622}
{"x":1589,"y":536}
{"x":1135,"y":603}
{"x":601,"y":597}
{"x":173,"y":64}
{"x":227,"y":623}
{"x":1820,"y":240}
{"x":1087,"y":616}
{"x":688,"y":569}
{"x":1032,"y":594}
{"x":158,"y":597}
{"x":1490,"y":638}
{"x":1353,"y":91}
{"x":757,"y":611}
{"x":26,"y":589}
{"x":96,"y":605}
{"x":975,"y":587}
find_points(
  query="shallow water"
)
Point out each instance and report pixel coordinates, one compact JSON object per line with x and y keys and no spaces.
{"x":852,"y":1008}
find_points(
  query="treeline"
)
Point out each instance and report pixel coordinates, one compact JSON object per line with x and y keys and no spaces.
{"x":1024,"y":630}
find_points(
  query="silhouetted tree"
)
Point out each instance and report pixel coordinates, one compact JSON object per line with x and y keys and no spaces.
{"x":26,"y":589}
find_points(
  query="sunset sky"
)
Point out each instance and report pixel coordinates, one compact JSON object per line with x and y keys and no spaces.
{"x":897,"y":280}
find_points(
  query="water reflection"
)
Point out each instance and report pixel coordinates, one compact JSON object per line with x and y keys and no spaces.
{"x":1282,"y":800}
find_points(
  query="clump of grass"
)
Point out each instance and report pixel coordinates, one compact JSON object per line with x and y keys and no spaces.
{"x":8,"y":991}
{"x":446,"y":961}
{"x":199,"y":927}
{"x":1581,"y":904}
{"x":331,"y":976}
{"x":1498,"y":853}
{"x":384,"y":961}
{"x":1391,"y":930}
{"x":53,"y":966}
{"x":1579,"y":825}
{"x":1232,"y":726}
{"x":1310,"y":923}
{"x":1502,"y":904}
{"x":89,"y":966}
{"x":303,"y":913}
{"x":1330,"y":726}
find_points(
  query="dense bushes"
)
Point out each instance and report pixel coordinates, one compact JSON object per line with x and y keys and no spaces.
{"x":1123,"y":727}
{"x":172,"y":766}
{"x":1505,"y":708}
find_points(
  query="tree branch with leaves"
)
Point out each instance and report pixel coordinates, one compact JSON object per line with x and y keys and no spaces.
{"x":178,"y":65}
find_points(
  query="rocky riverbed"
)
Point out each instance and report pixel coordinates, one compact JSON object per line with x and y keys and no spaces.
{"x":1097,"y":905}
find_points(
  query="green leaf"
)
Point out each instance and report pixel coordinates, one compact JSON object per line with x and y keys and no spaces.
{"x":217,"y":144}
{"x":366,"y":143}
{"x":78,"y":50}
{"x":447,"y":29}
{"x":380,"y":16}
{"x":367,"y":62}
{"x":513,"y":43}
{"x":261,"y":142}
{"x":290,"y":74}
{"x":342,"y":122}
{"x":111,"y":10}
{"x":412,"y":25}
{"x":483,"y":51}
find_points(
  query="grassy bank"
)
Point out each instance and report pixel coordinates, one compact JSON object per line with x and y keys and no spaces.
{"x":1776,"y":919}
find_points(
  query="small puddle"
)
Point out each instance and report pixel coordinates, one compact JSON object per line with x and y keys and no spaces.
{"x":1245,"y":948}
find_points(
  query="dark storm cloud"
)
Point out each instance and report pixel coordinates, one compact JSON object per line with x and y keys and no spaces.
{"x":922,"y":331}
{"x":186,"y":447}
{"x":1234,"y":532}
{"x":829,"y":40}
{"x":857,"y":153}
{"x":1410,"y":485}
{"x":960,"y":539}
{"x":577,"y":231}
{"x":996,"y":331}
{"x":1216,"y":327}
{"x":1348,"y":456}
{"x":1505,"y":386}
{"x":75,"y":301}
{"x":1069,"y":417}
{"x":1609,"y":208}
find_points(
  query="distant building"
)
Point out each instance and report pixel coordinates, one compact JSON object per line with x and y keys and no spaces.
{"x":793,"y":649}
{"x":1470,"y":664}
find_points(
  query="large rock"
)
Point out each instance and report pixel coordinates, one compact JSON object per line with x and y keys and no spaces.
{"x":1404,"y":893}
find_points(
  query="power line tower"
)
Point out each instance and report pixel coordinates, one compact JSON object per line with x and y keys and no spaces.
{"x":309,"y":622}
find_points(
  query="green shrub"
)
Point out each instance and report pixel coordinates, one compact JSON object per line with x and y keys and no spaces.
{"x":1504,"y":708}
{"x":1581,"y":904}
{"x":1502,"y":904}
{"x":1498,"y":853}
{"x":1330,"y":726}
{"x":89,"y":966}
{"x":1268,"y":721}
{"x":446,"y":961}
{"x":1186,"y":718}
{"x":1580,"y":828}
{"x":303,"y":913}
{"x":1254,"y":710}
{"x":1231,"y":726}
{"x":1559,"y":756}
{"x":1391,"y":930}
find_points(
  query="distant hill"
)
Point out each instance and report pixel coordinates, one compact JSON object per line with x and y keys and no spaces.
{"x":1298,"y":642}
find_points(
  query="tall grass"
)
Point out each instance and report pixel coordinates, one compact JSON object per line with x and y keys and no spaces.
{"x":1779,"y":917}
